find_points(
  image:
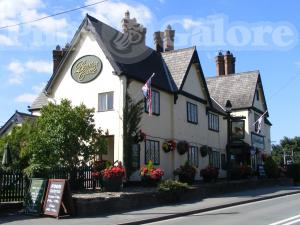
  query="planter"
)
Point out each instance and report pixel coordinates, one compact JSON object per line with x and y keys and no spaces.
{"x":147,"y":181}
{"x":186,"y":178}
{"x":170,"y":196}
{"x":113,"y":184}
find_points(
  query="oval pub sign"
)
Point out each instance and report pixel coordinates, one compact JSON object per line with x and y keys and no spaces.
{"x":86,"y":68}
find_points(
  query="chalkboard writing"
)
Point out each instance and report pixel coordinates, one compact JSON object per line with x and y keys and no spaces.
{"x":135,"y":151}
{"x":54,"y":196}
{"x":58,"y":198}
{"x":261,"y":171}
{"x":35,"y":196}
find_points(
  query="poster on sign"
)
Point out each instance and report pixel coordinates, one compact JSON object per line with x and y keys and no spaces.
{"x":58,"y":200}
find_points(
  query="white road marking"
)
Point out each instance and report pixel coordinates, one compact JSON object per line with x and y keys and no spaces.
{"x":286,"y":220}
{"x":292,"y":222}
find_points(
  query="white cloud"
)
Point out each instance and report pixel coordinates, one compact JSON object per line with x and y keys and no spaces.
{"x":30,"y":97}
{"x":4,"y":40}
{"x":39,"y":66}
{"x":189,"y":23}
{"x":26,"y":98}
{"x":19,"y":11}
{"x":18,"y":70}
{"x":112,"y":12}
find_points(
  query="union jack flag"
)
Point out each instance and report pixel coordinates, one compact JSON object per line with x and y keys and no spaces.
{"x":147,"y":92}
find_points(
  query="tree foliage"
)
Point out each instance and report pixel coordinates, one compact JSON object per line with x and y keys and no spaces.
{"x":131,"y":125}
{"x":288,"y":145}
{"x":63,"y":136}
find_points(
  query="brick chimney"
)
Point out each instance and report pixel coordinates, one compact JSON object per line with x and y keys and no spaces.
{"x":158,"y":37}
{"x":229,"y":62}
{"x":132,"y":27}
{"x":169,"y":39}
{"x":57,"y":57}
{"x":220,"y":66}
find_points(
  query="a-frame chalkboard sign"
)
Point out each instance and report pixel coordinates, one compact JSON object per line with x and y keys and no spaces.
{"x":58,"y":200}
{"x":35,"y":196}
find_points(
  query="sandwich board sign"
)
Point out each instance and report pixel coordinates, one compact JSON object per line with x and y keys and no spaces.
{"x":35,"y":197}
{"x":58,"y":200}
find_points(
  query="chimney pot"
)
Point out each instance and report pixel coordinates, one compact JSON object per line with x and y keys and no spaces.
{"x":229,"y":61}
{"x":159,"y":41}
{"x":57,"y":54}
{"x":220,"y":66}
{"x":169,"y":38}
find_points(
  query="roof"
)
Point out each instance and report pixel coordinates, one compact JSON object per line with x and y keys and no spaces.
{"x":139,"y":67}
{"x":39,"y":102}
{"x":17,"y":117}
{"x":239,"y":88}
{"x":178,"y":62}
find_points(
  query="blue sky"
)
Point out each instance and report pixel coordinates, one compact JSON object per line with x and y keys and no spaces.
{"x":261,"y":34}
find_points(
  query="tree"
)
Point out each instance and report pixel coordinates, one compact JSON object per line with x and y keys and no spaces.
{"x":288,"y":145}
{"x":18,"y":141}
{"x":64,"y":136}
{"x":131,"y":125}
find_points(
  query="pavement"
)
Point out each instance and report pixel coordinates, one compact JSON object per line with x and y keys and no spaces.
{"x":155,"y":214}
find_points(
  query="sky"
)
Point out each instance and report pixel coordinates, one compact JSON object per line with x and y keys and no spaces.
{"x":262,"y":34}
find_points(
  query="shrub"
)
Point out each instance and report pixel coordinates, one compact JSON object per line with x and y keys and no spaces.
{"x":171,"y":190}
{"x":271,"y":168}
{"x":186,"y":173}
{"x":294,"y":172}
{"x":209,"y":174}
{"x":240,"y":172}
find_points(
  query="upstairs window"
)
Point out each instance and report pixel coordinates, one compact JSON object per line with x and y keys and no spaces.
{"x":155,"y":103}
{"x":256,"y":117}
{"x":257,"y":94}
{"x":105,"y":101}
{"x":213,"y":122}
{"x":192,"y":113}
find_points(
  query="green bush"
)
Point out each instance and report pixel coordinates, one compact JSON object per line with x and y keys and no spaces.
{"x":271,"y":168}
{"x":294,"y":172}
{"x":186,"y":173}
{"x":172,"y":186}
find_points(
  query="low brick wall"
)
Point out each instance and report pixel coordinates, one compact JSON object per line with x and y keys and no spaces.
{"x":90,"y":206}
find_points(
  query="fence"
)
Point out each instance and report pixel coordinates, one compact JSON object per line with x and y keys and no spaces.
{"x":14,"y":184}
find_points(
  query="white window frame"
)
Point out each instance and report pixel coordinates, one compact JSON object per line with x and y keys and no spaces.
{"x":106,"y":96}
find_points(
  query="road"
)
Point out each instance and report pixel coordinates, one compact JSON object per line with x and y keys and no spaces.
{"x":279,"y":211}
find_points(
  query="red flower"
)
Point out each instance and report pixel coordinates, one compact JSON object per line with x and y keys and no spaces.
{"x":114,"y":171}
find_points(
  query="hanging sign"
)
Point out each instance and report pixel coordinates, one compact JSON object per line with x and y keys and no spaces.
{"x":257,"y":141}
{"x":58,"y":200}
{"x":86,"y":68}
{"x":35,"y":196}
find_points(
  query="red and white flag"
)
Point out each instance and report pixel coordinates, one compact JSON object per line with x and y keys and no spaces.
{"x":147,"y":92}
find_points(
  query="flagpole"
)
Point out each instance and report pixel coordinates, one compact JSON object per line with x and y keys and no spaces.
{"x":259,"y":117}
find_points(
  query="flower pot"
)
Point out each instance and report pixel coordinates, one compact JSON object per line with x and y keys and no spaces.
{"x":113,"y":184}
{"x":147,"y":181}
{"x":186,"y":178}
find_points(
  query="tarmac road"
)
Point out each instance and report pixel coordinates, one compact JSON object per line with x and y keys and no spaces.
{"x":278,"y":211}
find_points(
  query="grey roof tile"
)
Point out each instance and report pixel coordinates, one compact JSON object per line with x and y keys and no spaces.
{"x":39,"y":102}
{"x":178,"y":62}
{"x":239,"y":88}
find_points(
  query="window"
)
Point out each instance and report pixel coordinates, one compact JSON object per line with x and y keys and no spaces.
{"x":105,"y":101}
{"x":192,"y":113}
{"x":214,"y":159}
{"x":155,"y":103}
{"x":193,"y":156}
{"x":256,"y":117}
{"x":213,"y":122}
{"x":257,"y":94}
{"x":152,"y":151}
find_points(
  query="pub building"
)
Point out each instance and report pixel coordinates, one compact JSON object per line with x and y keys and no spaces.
{"x":101,"y":65}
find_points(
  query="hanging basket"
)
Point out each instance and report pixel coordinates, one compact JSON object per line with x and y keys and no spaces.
{"x":182,"y":147}
{"x":169,"y":146}
{"x":204,"y":150}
